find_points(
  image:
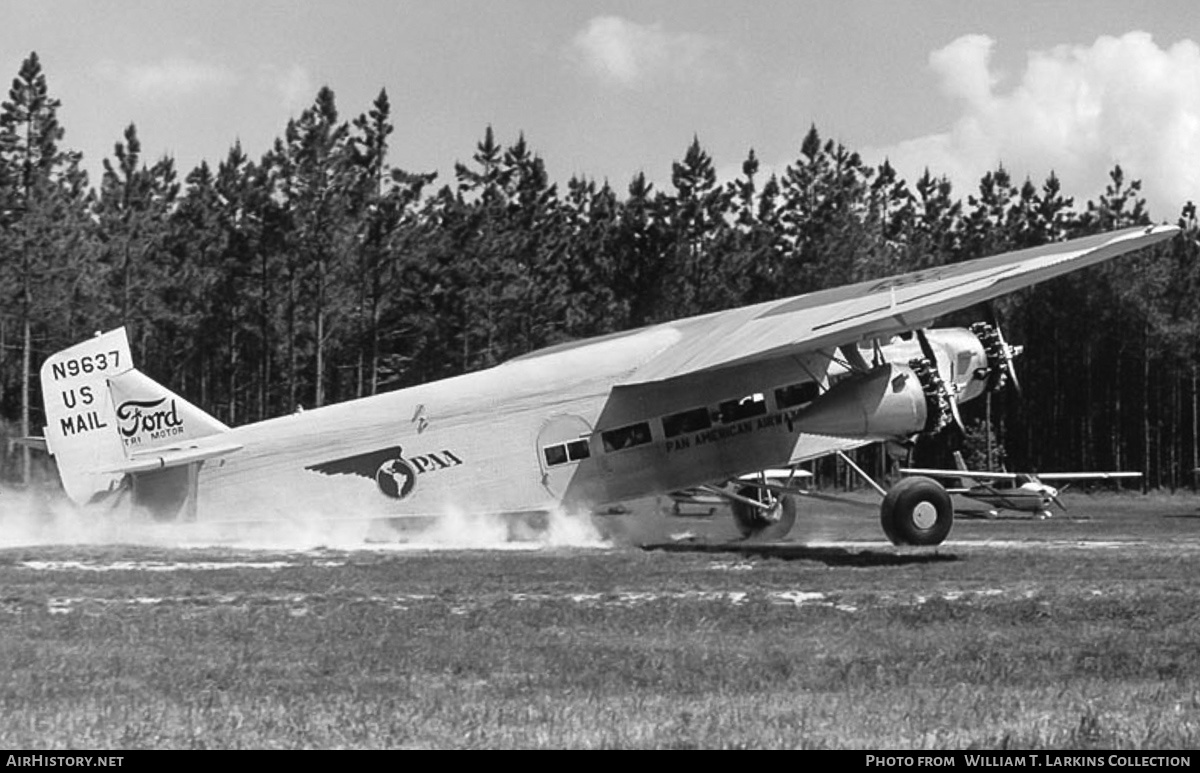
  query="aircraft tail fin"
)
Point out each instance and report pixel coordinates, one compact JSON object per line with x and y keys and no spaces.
{"x":102,"y":414}
{"x":80,"y":420}
{"x":151,"y":417}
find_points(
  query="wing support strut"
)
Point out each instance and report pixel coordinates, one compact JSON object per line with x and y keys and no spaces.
{"x":862,"y":473}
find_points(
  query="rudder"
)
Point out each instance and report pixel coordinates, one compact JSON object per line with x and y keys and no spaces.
{"x":80,"y":421}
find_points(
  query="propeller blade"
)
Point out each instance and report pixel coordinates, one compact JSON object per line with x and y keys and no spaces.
{"x":926,"y":347}
{"x":1054,"y":498}
{"x":1008,"y":354}
{"x":1012,"y":379}
{"x":956,"y":432}
{"x":1000,"y":356}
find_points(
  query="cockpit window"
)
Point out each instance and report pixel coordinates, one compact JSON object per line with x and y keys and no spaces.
{"x":555,"y":455}
{"x":578,"y":449}
{"x":569,"y":451}
{"x":796,"y":394}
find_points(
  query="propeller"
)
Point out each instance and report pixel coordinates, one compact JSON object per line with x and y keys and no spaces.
{"x":1007,"y":354}
{"x":955,"y":425}
{"x":1050,"y":493}
{"x":1000,"y":354}
{"x":1054,"y":492}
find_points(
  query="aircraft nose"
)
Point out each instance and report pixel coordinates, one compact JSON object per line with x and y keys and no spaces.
{"x":1053,"y":496}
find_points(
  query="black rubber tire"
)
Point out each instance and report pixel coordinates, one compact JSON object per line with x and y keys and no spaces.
{"x":751,"y":523}
{"x":907,"y":508}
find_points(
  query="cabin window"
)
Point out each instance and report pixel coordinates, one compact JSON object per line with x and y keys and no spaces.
{"x":578,"y":449}
{"x":746,"y":408}
{"x":796,"y":394}
{"x":626,"y":437}
{"x":570,"y":451}
{"x":687,"y":421}
{"x":555,"y":455}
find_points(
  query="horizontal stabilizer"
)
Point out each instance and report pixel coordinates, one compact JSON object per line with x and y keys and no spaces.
{"x":36,"y":443}
{"x":164,"y":458}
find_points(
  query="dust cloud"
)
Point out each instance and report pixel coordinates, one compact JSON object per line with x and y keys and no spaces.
{"x":458,"y":529}
{"x":282,"y":521}
{"x":37,"y":517}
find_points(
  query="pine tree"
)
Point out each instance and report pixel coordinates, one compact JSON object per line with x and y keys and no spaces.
{"x":41,"y":206}
{"x":133,"y":210}
{"x":317,"y":146}
{"x":383,"y":203}
{"x":701,"y":277}
{"x":245,"y":285}
{"x":642,"y":251}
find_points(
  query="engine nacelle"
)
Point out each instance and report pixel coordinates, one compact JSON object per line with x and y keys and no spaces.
{"x":886,"y":402}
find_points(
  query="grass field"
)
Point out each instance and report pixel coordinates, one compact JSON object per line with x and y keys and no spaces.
{"x":1076,"y":633}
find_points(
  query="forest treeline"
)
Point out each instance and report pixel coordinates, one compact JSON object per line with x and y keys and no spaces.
{"x":320,"y":272}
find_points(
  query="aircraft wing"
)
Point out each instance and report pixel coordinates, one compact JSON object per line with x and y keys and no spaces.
{"x":874,"y":309}
{"x":933,"y":473}
{"x":1086,"y":475}
{"x":1043,"y":476}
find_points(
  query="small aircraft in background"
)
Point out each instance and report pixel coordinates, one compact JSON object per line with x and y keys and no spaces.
{"x":1021,"y":492}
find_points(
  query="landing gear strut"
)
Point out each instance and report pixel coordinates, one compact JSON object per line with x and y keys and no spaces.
{"x":771,"y":519}
{"x":916,"y":511}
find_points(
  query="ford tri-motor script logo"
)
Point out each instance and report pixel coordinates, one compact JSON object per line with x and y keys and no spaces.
{"x":148,"y":417}
{"x":395,"y":475}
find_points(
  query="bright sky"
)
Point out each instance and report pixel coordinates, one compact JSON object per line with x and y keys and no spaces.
{"x":607,"y":89}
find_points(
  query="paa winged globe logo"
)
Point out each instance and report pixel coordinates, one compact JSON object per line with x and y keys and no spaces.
{"x":393,"y":474}
{"x":396,"y":478}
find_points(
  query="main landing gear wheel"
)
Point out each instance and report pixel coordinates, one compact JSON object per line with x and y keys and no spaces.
{"x":917,"y":511}
{"x":764,"y":525}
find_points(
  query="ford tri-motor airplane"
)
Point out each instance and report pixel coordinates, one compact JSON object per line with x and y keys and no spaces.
{"x":1018,"y":491}
{"x":677,"y":405}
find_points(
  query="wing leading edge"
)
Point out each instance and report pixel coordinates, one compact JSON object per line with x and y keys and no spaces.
{"x":874,"y":309}
{"x":1010,"y":476}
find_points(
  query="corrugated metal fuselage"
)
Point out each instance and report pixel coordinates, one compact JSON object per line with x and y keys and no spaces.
{"x":478,"y":443}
